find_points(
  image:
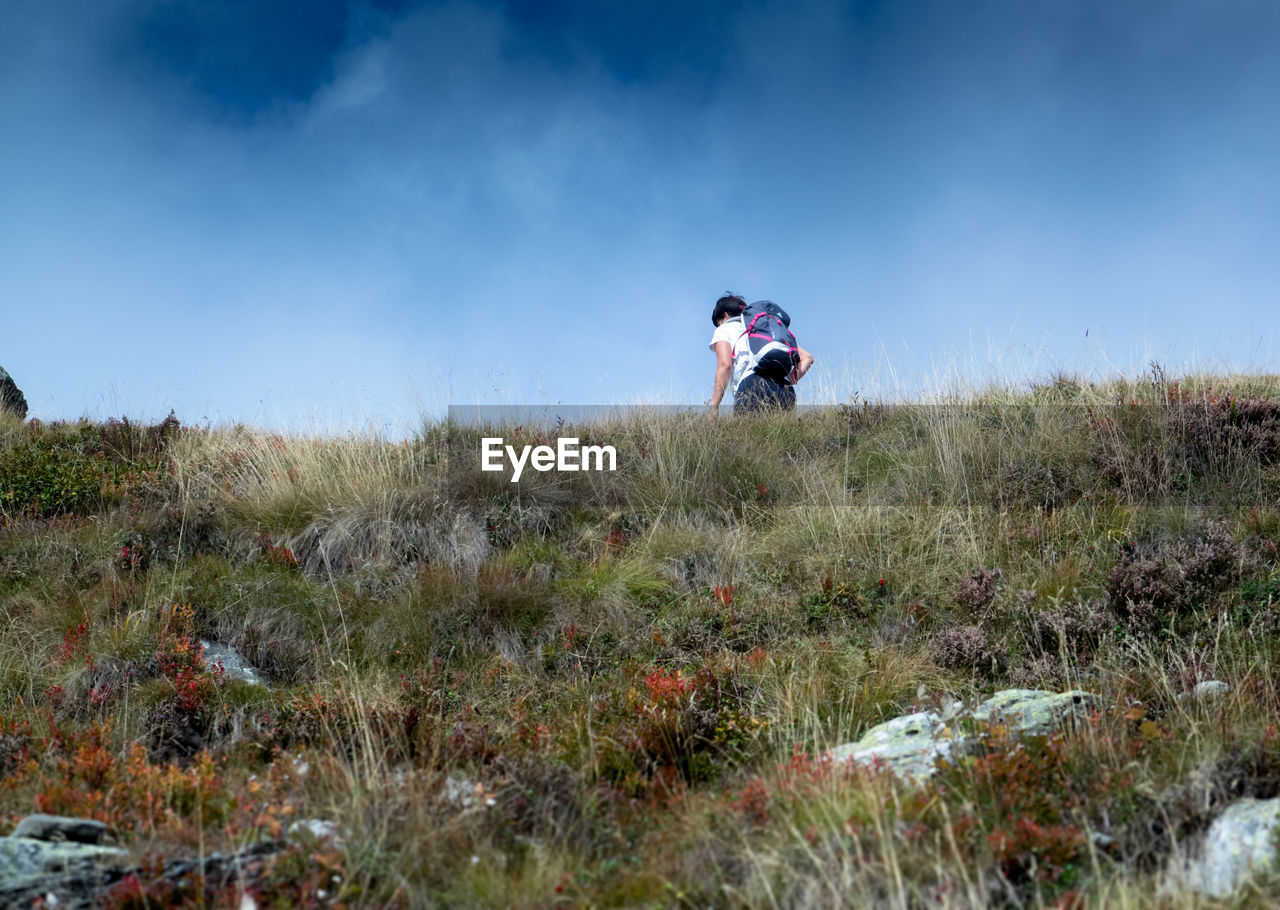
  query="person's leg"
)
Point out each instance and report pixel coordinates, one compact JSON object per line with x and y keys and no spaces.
{"x":787,"y":397}
{"x":759,"y":393}
{"x":748,"y":398}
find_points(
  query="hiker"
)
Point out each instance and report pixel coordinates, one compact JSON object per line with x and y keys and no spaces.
{"x":762,"y":373}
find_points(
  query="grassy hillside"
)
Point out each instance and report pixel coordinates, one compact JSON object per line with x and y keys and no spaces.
{"x":615,"y":689}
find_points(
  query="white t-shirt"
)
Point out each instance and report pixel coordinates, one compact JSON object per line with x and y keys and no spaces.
{"x":731,"y":330}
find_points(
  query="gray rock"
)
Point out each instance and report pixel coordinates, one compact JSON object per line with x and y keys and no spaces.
{"x":234,"y":666}
{"x":907,"y":745}
{"x":75,"y":876}
{"x":319,"y":828}
{"x":459,"y":792}
{"x":1239,"y":843}
{"x":911,"y":745}
{"x":1207,"y":691}
{"x":62,"y":828}
{"x":464,"y":794}
{"x":32,"y":868}
{"x":11,"y":397}
{"x":1034,"y":712}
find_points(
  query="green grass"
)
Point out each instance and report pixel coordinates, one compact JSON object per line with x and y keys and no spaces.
{"x":611,"y":690}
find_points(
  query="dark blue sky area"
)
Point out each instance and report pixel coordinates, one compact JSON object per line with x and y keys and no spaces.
{"x":281,"y":202}
{"x":245,"y":59}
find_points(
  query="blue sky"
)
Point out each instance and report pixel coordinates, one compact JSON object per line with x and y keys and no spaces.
{"x":329,"y":212}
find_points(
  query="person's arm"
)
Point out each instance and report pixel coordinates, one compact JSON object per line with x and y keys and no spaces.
{"x":724,"y":370}
{"x":806,"y":361}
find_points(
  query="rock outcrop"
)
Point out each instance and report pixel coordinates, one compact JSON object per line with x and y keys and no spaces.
{"x":11,"y":397}
{"x":64,"y":863}
{"x":911,"y":745}
{"x":63,"y":857}
{"x":59,"y":828}
{"x":907,"y":745}
{"x":1034,"y":712}
{"x":1240,"y":842}
{"x":234,"y":667}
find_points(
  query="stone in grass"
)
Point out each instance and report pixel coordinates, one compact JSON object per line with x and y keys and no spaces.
{"x":59,"y":866}
{"x":234,"y":667}
{"x":1034,"y":712}
{"x":55,"y":828}
{"x":463,"y":794}
{"x":320,"y":829}
{"x":1239,"y":843}
{"x":1206,"y":691}
{"x":911,"y":745}
{"x":908,"y":745}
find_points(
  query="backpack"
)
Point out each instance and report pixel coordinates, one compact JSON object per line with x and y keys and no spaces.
{"x":773,"y":347}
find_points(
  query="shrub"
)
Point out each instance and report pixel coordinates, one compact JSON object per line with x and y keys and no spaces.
{"x":1077,"y":625}
{"x":967,"y":648}
{"x":80,"y":469}
{"x":44,"y":476}
{"x":178,"y":725}
{"x":1152,"y":584}
{"x":1035,"y":484}
{"x":132,"y":443}
{"x":835,"y":600}
{"x":682,"y":729}
{"x":1222,"y":429}
{"x":976,"y":590}
{"x":78,"y":773}
{"x":1024,"y":804}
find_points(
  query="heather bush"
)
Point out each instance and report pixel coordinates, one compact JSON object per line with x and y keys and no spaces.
{"x":1223,"y":431}
{"x":968,"y":648}
{"x":1072,"y":627}
{"x":975,"y":591}
{"x":1153,"y":583}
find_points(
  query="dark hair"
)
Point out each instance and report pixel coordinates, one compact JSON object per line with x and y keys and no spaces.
{"x":729,"y":305}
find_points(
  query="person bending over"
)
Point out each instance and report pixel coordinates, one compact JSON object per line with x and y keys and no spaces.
{"x":738,"y":362}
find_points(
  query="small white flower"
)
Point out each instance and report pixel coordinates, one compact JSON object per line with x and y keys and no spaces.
{"x":475,"y":860}
{"x":491,"y":801}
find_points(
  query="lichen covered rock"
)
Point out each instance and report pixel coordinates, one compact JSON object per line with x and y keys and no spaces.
{"x":1034,"y":712}
{"x":911,"y":745}
{"x":908,"y":745}
{"x":58,"y":828}
{"x":1210,"y":690}
{"x":31,"y":868}
{"x":1239,"y":843}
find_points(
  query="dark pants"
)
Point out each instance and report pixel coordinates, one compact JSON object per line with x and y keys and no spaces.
{"x":760,"y":393}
